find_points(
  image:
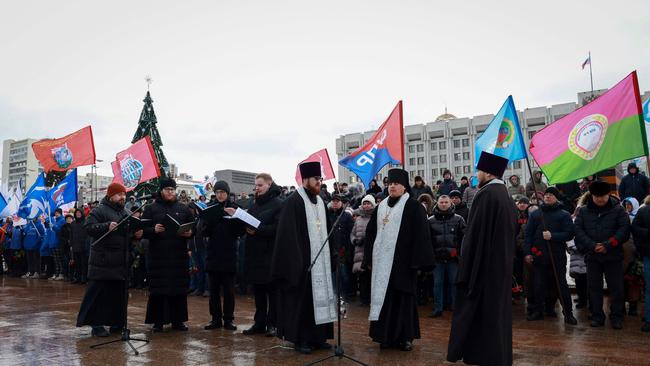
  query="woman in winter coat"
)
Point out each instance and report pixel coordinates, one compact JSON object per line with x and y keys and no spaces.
{"x":357,"y":237}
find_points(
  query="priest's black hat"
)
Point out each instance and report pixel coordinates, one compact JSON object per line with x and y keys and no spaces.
{"x":310,"y":169}
{"x":599,"y":188}
{"x":490,"y":163}
{"x":400,"y":176}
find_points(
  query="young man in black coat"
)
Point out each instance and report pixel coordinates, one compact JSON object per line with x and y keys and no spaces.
{"x":258,"y":251}
{"x":167,"y":260}
{"x":103,"y":302}
{"x":78,"y":243}
{"x":550,"y":226}
{"x":460,"y":207}
{"x":481,"y":328}
{"x":634,"y":184}
{"x":602,"y":226}
{"x":447,"y":230}
{"x":340,"y":240}
{"x":221,"y":259}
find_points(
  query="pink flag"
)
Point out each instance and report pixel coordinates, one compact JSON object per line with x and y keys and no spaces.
{"x":136,"y":164}
{"x":323,"y":158}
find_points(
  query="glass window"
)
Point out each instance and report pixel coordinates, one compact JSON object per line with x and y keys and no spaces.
{"x":421,"y":173}
{"x":434,"y":146}
{"x":457,"y":157}
{"x":411,"y":148}
{"x":457,"y":170}
{"x":466,"y":156}
{"x":467,"y":169}
{"x":412,"y":161}
{"x":420,"y":147}
{"x":442,"y":170}
{"x":456,"y":143}
{"x":465,"y":142}
{"x":434,"y":172}
{"x":516,"y":164}
{"x":442,"y":145}
{"x":420,"y":161}
{"x":443,"y":158}
{"x":434,"y":159}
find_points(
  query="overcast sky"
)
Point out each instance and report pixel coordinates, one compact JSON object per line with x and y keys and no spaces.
{"x":259,"y":85}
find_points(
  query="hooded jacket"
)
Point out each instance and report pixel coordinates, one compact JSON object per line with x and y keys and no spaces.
{"x":516,"y":190}
{"x":535,"y":184}
{"x":634,"y":185}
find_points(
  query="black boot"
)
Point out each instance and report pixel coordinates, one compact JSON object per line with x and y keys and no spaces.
{"x":99,"y":331}
{"x":570,"y":319}
{"x":256,"y":328}
{"x":157,"y":328}
{"x":180,"y":326}
{"x":229,"y":325}
{"x":213,"y":325}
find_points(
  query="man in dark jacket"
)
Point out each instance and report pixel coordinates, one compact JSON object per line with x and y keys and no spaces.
{"x":602,"y":226}
{"x":550,"y":226}
{"x":221,"y":260}
{"x":167,"y":259}
{"x":460,"y":207}
{"x":447,"y":184}
{"x":103,"y":303}
{"x":447,"y":229}
{"x":634,"y":184}
{"x":258,"y":251}
{"x":78,"y":246}
{"x":641,"y":233}
{"x":420,"y":187}
{"x":341,"y":241}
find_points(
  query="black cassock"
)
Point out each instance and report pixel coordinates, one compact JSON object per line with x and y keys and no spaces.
{"x":398,"y":319}
{"x":481,"y":329}
{"x":289,"y":263}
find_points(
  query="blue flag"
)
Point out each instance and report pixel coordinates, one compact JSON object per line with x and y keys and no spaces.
{"x":3,"y":202}
{"x":503,"y":135}
{"x":36,"y":200}
{"x":64,"y":192}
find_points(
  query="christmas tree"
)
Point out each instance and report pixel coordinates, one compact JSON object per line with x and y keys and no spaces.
{"x":147,"y":127}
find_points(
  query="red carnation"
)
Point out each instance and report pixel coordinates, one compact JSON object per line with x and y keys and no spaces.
{"x":539,"y":254}
{"x":453,"y":253}
{"x":534,"y":250}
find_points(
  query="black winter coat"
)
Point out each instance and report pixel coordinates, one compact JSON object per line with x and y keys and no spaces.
{"x":78,"y":236}
{"x":107,"y":258}
{"x":462,"y":210}
{"x":417,"y":192}
{"x":641,"y":231}
{"x":559,"y":223}
{"x":167,"y":258}
{"x":340,"y":238}
{"x":609,"y":225}
{"x":634,"y":185}
{"x":221,"y":249}
{"x":447,"y":230}
{"x":259,"y":247}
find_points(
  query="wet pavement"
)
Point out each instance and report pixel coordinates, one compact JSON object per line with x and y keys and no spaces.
{"x":37,"y":327}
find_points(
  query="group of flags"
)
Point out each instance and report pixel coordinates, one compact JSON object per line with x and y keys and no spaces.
{"x":611,"y":129}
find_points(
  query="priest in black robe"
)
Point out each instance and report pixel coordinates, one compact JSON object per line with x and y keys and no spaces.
{"x":307,"y":302}
{"x":398,"y":245}
{"x":481,"y":328}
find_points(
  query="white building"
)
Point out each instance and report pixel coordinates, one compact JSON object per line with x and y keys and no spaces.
{"x":239,"y":181}
{"x":93,"y":186}
{"x":19,"y":163}
{"x":448,"y":142}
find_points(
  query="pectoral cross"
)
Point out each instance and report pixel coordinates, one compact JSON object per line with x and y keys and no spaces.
{"x":318,"y":224}
{"x":385,"y":220}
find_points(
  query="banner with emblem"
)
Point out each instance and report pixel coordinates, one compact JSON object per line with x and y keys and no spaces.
{"x":135,"y":165}
{"x":68,"y":152}
{"x":597,"y":136}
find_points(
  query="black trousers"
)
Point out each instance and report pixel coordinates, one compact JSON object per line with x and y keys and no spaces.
{"x":219,"y":281}
{"x":581,"y":287}
{"x":544,"y":284}
{"x":364,"y":286}
{"x":80,"y":266}
{"x":613,"y":271}
{"x":33,"y":261}
{"x":265,"y":304}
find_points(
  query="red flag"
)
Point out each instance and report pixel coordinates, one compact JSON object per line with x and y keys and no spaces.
{"x":323,"y":158}
{"x":136,"y":164}
{"x":74,"y":150}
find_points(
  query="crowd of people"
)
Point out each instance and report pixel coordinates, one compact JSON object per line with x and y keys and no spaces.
{"x":392,"y":253}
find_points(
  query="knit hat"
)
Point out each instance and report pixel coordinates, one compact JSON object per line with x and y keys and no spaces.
{"x":369,"y":198}
{"x":599,"y":188}
{"x":222,"y":185}
{"x":554,"y":191}
{"x":166,"y":183}
{"x":115,"y":188}
{"x":455,"y":193}
{"x":340,"y":197}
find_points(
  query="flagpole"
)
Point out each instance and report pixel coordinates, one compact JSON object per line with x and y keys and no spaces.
{"x":591,"y":77}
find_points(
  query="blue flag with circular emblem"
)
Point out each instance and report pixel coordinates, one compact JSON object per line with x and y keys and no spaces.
{"x":503,"y":135}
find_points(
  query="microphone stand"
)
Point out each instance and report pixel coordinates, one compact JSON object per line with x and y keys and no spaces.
{"x":126,"y":332}
{"x":338,"y":349}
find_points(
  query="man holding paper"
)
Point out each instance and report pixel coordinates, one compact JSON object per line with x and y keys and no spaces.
{"x":221,"y":260}
{"x":167,"y":258}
